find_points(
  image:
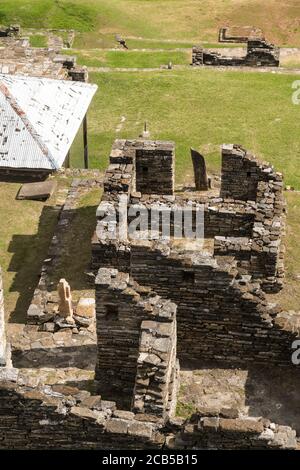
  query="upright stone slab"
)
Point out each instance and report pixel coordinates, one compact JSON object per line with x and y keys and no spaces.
{"x":201,"y":181}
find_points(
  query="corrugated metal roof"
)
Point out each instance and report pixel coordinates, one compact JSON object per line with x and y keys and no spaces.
{"x":39,"y":119}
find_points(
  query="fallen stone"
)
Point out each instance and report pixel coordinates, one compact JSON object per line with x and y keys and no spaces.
{"x":37,"y":191}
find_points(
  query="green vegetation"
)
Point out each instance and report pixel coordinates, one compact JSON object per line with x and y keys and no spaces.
{"x":72,"y":266}
{"x":130,"y":59}
{"x":38,"y":40}
{"x":200,"y":108}
{"x":185,"y":410}
{"x":79,"y":15}
{"x":157,"y":19}
{"x":24,"y":240}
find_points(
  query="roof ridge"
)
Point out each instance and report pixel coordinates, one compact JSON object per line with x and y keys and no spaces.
{"x":19,"y":111}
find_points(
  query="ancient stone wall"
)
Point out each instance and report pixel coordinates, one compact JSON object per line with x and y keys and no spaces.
{"x":246,"y":225}
{"x":241,"y":172}
{"x":217,"y":432}
{"x":259,"y":53}
{"x":262,"y":254}
{"x":136,"y":336}
{"x":157,"y":375}
{"x":230,"y":319}
{"x":239,"y":34}
{"x":4,"y":349}
{"x":154,"y":168}
{"x":65,"y":417}
{"x":17,"y":57}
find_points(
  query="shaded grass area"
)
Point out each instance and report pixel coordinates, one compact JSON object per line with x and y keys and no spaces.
{"x":76,"y":258}
{"x":38,"y":40}
{"x":24,"y":240}
{"x":199,"y":108}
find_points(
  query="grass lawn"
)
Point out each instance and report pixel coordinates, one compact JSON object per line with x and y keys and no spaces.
{"x":71,"y":266}
{"x":157,"y":19}
{"x":38,"y":40}
{"x":200,"y":108}
{"x":130,"y":59}
{"x":24,"y":242}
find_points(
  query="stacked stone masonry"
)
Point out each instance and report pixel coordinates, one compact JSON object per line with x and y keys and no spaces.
{"x":160,"y":301}
{"x":260,"y":53}
{"x":227,"y":35}
{"x":4,"y":347}
{"x":17,"y":57}
{"x":68,"y":418}
{"x":220,"y":295}
{"x":142,"y":364}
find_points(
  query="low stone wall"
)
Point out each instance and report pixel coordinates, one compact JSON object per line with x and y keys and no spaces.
{"x":4,"y":348}
{"x":259,"y":53}
{"x":226,"y":34}
{"x":136,"y":336}
{"x":214,"y":432}
{"x":63,"y":417}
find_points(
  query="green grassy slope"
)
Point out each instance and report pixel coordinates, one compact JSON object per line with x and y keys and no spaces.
{"x":200,"y":108}
{"x":184,"y":20}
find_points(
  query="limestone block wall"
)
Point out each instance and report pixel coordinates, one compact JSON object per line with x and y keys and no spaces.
{"x":157,"y":375}
{"x":241,"y":172}
{"x":154,"y":167}
{"x":3,"y":344}
{"x":220,"y":217}
{"x":202,"y":56}
{"x":136,"y":337}
{"x":221,"y":432}
{"x":259,"y":54}
{"x":262,"y":255}
{"x":218,"y":316}
{"x":66,"y":418}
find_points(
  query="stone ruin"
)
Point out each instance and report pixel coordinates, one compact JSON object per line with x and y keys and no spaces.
{"x":160,"y":302}
{"x":237,"y":35}
{"x":11,"y":30}
{"x":4,"y":346}
{"x":18,"y":57}
{"x":259,"y":53}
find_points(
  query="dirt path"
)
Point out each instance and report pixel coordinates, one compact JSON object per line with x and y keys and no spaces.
{"x":277,"y":70}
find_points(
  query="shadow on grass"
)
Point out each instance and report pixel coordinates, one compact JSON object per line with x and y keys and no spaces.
{"x":71,"y":261}
{"x":28,"y":254}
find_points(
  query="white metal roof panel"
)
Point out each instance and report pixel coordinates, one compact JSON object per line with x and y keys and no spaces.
{"x":39,"y":119}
